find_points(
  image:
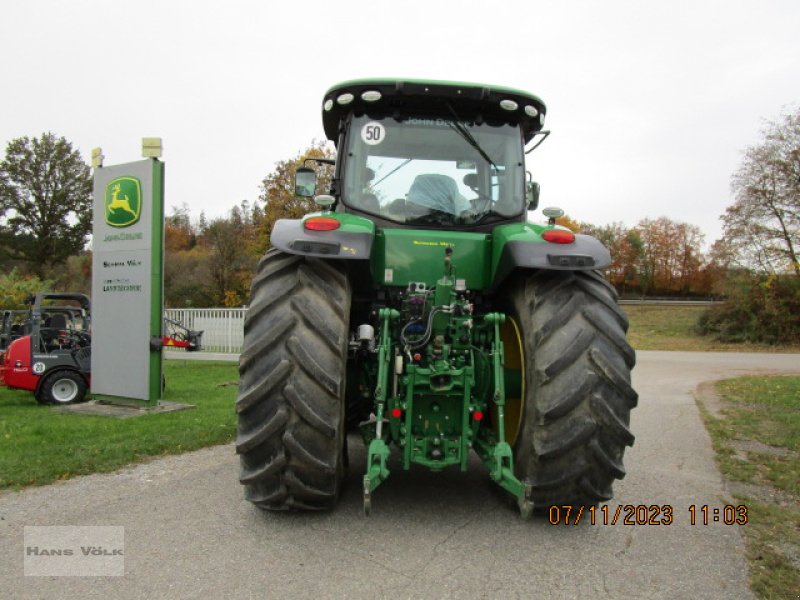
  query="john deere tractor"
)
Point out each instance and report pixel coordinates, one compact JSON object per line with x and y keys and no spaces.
{"x":422,"y":306}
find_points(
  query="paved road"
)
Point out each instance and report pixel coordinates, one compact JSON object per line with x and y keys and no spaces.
{"x":189,"y":533}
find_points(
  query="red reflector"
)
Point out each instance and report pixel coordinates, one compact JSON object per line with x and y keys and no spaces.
{"x":478,"y":415}
{"x":558,"y":236}
{"x":397,"y":413}
{"x":418,"y":357}
{"x":321,"y":224}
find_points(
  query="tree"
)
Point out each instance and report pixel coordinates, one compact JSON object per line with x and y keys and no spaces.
{"x":277,"y":190}
{"x":671,"y":255}
{"x":763,"y":224}
{"x":232,"y":258}
{"x":179,"y":234}
{"x":626,"y":250}
{"x":45,"y":201}
{"x":15,"y":289}
{"x":569,"y":223}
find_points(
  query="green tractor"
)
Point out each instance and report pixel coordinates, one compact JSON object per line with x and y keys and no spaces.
{"x":421,"y":306}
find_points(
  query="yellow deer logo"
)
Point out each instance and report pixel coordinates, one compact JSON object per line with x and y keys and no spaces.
{"x":117,"y":202}
{"x":123,"y":201}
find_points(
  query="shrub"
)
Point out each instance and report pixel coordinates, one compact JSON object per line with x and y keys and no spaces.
{"x":762,"y":309}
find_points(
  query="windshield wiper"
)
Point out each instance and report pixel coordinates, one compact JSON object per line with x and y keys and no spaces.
{"x":393,"y":171}
{"x":460,"y":129}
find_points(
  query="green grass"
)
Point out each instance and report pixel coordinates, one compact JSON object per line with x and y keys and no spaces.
{"x":669,"y":327}
{"x":39,"y":445}
{"x":757,"y":441}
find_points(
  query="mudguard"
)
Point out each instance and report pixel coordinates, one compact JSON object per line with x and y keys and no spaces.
{"x":352,"y":240}
{"x":586,"y":253}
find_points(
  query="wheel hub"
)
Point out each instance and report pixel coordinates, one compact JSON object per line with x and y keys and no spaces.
{"x":64,"y":390}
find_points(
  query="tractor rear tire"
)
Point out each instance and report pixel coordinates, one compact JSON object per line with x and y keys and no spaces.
{"x":291,"y":410}
{"x":578,"y":397}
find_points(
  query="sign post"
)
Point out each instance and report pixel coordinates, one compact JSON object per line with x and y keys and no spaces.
{"x":128,"y":281}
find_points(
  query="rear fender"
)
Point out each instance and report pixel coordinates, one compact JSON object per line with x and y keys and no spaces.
{"x":351,"y":240}
{"x":521,"y":246}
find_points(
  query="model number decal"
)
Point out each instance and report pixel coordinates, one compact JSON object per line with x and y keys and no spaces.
{"x":437,"y":244}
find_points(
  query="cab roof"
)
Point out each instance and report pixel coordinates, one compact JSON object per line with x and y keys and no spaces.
{"x":469,"y":100}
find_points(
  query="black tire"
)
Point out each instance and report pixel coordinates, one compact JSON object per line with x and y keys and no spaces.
{"x":291,"y":410}
{"x":575,"y":419}
{"x":61,"y":387}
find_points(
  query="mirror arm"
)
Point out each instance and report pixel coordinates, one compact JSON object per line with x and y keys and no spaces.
{"x":544,"y":135}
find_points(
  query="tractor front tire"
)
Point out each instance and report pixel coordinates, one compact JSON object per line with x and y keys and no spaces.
{"x":61,"y":387}
{"x":578,"y":397}
{"x":291,"y":411}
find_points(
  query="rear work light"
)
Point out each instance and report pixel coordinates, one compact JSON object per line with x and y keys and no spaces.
{"x":321,"y":224}
{"x":558,"y":236}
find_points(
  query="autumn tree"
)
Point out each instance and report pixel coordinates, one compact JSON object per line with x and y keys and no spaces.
{"x":75,"y":275}
{"x":45,"y":201}
{"x":763,"y":224}
{"x":569,"y":223}
{"x":671,"y":255}
{"x":625,"y":247}
{"x":761,"y":243}
{"x":232,"y":258}
{"x":186,"y":277}
{"x":179,"y":233}
{"x":277,"y":189}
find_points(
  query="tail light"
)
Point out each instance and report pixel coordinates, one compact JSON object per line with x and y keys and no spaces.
{"x":321,"y":224}
{"x":558,"y":236}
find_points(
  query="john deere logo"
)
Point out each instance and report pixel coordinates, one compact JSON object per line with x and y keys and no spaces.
{"x":123,"y":201}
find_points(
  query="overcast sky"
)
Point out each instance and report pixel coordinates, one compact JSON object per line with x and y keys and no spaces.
{"x":650,"y":103}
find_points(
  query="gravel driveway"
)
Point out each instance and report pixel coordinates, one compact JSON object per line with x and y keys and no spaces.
{"x":190,"y":534}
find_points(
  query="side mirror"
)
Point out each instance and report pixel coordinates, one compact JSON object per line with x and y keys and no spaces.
{"x":305,"y":182}
{"x":532,"y":194}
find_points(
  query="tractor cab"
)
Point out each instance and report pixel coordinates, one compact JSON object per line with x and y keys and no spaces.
{"x":432,"y":154}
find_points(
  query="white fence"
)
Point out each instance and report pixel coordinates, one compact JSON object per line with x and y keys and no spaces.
{"x":223,"y":328}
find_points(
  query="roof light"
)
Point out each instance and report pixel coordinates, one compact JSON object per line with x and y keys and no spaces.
{"x":531,"y":111}
{"x":345,"y":98}
{"x":508,"y":104}
{"x":558,"y":236}
{"x":328,"y":105}
{"x":321,"y":224}
{"x":371,"y":96}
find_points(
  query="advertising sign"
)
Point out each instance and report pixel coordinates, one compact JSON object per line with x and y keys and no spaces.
{"x":127,"y":282}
